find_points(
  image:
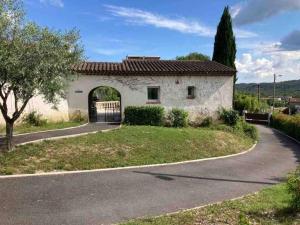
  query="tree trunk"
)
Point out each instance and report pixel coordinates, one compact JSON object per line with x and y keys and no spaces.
{"x":9,"y":135}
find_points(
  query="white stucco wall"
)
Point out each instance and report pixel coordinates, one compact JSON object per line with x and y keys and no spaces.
{"x":39,"y":105}
{"x":211,"y":93}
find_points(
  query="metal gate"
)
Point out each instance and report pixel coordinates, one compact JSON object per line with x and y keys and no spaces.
{"x":109,"y":111}
{"x":262,"y":118}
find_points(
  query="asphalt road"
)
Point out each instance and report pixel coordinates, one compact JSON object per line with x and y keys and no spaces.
{"x":112,"y":196}
{"x":88,"y":128}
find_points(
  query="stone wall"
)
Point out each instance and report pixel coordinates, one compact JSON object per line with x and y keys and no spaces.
{"x":39,"y":105}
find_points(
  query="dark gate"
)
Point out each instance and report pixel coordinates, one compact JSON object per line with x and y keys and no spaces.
{"x":109,"y":111}
{"x":261,"y":118}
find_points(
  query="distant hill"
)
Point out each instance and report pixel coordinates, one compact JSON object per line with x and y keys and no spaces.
{"x":285,"y":88}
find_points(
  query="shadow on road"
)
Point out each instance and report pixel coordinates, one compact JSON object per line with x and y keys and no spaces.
{"x":169,"y":177}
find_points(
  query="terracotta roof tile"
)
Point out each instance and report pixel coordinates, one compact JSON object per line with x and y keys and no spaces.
{"x":154,"y":67}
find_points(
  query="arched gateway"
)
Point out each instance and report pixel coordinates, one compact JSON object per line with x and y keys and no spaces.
{"x":104,"y":105}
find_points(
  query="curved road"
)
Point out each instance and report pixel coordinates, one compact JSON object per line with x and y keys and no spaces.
{"x":112,"y":196}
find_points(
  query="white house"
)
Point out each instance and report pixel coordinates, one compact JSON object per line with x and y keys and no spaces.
{"x":199,"y":87}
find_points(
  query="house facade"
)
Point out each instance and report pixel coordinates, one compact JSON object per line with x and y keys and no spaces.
{"x":294,"y":105}
{"x":199,"y":87}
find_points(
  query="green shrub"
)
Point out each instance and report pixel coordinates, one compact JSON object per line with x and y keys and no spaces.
{"x":77,"y":117}
{"x":230,"y":117}
{"x":144,"y":115}
{"x":34,"y":119}
{"x":293,"y":184}
{"x":178,"y":117}
{"x":207,"y":122}
{"x":248,"y":129}
{"x":287,"y":124}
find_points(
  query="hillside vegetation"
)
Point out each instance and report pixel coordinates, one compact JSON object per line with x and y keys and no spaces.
{"x":285,"y":88}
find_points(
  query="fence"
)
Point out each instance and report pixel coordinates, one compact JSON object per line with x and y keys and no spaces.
{"x":262,"y":118}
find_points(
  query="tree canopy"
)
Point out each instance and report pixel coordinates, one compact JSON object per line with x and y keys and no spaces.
{"x":224,"y":46}
{"x":194,"y":56}
{"x":34,"y":61}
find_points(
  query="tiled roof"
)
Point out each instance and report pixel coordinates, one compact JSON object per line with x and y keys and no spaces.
{"x":154,"y":67}
{"x":294,"y":100}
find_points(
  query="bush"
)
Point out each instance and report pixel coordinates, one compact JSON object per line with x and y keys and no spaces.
{"x":178,"y":117}
{"x":248,"y":129}
{"x":250,"y":103}
{"x":241,"y":128}
{"x":77,"y":117}
{"x":230,"y":117}
{"x":34,"y":119}
{"x":288,"y":124}
{"x":144,"y":115}
{"x":207,"y":122}
{"x":293,"y":185}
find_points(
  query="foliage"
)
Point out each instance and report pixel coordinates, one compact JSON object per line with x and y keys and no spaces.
{"x":284,"y":88}
{"x":106,"y":94}
{"x":230,"y":117}
{"x":207,"y":121}
{"x":224,"y":46}
{"x":277,"y":103}
{"x":250,"y":103}
{"x":144,"y":115}
{"x":194,"y":56}
{"x":34,"y":61}
{"x":288,"y":124}
{"x":248,"y":129}
{"x":34,"y":119}
{"x":293,"y":185}
{"x":178,"y":117}
{"x":78,"y":117}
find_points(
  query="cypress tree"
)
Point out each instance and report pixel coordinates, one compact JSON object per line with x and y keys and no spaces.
{"x":225,"y":47}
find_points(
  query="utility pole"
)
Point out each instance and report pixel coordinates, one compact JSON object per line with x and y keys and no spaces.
{"x":258,"y":92}
{"x":274,"y":87}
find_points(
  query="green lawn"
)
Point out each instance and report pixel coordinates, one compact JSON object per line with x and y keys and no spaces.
{"x":130,"y":145}
{"x":269,"y":207}
{"x":25,"y":128}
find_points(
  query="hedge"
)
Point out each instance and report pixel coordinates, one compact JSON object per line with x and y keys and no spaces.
{"x":144,"y":115}
{"x":287,"y":124}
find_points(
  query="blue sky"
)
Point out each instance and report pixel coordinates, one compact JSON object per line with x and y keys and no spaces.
{"x":267,"y":31}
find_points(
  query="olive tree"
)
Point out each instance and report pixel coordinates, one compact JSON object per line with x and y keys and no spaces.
{"x":34,"y":61}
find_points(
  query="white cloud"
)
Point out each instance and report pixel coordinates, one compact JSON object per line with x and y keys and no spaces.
{"x":56,"y":3}
{"x":109,"y":51}
{"x":257,"y":10}
{"x":240,"y":33}
{"x":262,"y":68}
{"x":138,"y":16}
{"x":183,"y":25}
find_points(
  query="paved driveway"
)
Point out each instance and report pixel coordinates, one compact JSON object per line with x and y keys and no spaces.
{"x":84,"y":129}
{"x":112,"y":196}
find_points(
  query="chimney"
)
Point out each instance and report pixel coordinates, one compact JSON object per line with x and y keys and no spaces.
{"x":146,"y":58}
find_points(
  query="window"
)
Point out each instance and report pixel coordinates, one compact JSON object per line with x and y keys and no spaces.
{"x":153,"y":94}
{"x":191,"y":92}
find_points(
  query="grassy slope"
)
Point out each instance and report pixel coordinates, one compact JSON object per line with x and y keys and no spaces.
{"x":270,"y":206}
{"x":24,"y":128}
{"x":132,"y":145}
